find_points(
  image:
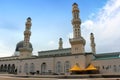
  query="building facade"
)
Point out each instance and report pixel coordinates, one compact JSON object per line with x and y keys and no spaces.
{"x":61,"y":60}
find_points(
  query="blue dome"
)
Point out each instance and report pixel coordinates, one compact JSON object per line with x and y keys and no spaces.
{"x":20,"y":45}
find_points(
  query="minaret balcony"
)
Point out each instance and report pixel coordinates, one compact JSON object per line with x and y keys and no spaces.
{"x":25,"y":49}
{"x":80,"y":40}
{"x":76,"y":21}
{"x":26,"y":32}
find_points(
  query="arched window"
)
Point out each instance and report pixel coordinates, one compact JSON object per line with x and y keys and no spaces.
{"x":20,"y":69}
{"x":32,"y":67}
{"x":5,"y":68}
{"x":13,"y":68}
{"x":115,"y":68}
{"x":26,"y":68}
{"x":1,"y":68}
{"x":66,"y":66}
{"x":9,"y":68}
{"x":58,"y":67}
{"x":43,"y":68}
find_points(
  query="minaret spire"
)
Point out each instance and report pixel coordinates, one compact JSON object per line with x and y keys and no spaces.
{"x":92,"y":43}
{"x":60,"y":43}
{"x":77,"y":42}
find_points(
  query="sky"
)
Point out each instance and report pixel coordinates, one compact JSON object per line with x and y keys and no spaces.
{"x":51,"y":20}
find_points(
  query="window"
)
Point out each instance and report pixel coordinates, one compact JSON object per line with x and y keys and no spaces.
{"x":58,"y":67}
{"x":13,"y":68}
{"x":76,"y":56}
{"x":43,"y":68}
{"x":76,"y":48}
{"x":9,"y":68}
{"x":5,"y":67}
{"x":114,"y":68}
{"x":20,"y":69}
{"x":66,"y":66}
{"x":1,"y":67}
{"x":32,"y":67}
{"x":103,"y":67}
{"x":26,"y":68}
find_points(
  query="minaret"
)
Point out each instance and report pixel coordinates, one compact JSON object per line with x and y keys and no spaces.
{"x":27,"y":32}
{"x":26,"y":50}
{"x":77,"y":42}
{"x":93,"y":50}
{"x":60,"y":43}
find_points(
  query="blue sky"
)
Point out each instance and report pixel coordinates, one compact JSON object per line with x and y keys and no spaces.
{"x":51,"y":19}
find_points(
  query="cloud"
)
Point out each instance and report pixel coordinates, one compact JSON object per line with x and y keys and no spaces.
{"x":70,"y":35}
{"x":51,"y":43}
{"x":88,"y":24}
{"x":106,"y":26}
{"x":8,"y":41}
{"x":4,"y":50}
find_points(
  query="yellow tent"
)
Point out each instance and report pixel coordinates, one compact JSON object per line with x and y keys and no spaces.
{"x":91,"y":67}
{"x":75,"y":68}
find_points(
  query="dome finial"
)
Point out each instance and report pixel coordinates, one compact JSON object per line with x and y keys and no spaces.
{"x":75,"y":4}
{"x":29,"y":19}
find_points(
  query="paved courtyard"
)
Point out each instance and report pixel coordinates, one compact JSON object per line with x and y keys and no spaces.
{"x":14,"y":78}
{"x":18,"y":78}
{"x":9,"y":77}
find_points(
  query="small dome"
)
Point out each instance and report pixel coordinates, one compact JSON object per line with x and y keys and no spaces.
{"x":60,"y":39}
{"x":91,"y":33}
{"x":29,"y":19}
{"x":75,"y":4}
{"x":20,"y":45}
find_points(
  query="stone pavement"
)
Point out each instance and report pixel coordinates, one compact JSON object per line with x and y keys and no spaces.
{"x":9,"y":77}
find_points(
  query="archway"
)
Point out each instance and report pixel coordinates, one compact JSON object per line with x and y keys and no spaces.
{"x":43,"y":68}
{"x":32,"y":68}
{"x":13,"y":68}
{"x":26,"y":68}
{"x":67,"y":66}
{"x":58,"y":67}
{"x":1,"y":68}
{"x":5,"y":68}
{"x":9,"y":68}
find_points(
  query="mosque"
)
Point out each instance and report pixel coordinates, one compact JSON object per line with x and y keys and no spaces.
{"x":73,"y":60}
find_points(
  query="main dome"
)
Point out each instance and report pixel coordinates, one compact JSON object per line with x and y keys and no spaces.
{"x":20,"y":45}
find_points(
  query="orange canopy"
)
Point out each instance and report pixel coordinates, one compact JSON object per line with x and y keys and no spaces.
{"x":75,"y":68}
{"x":91,"y":67}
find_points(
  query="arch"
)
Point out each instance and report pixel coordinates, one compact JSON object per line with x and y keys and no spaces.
{"x":5,"y":68}
{"x":9,"y":68}
{"x":67,"y":66}
{"x":20,"y":69}
{"x":32,"y":67}
{"x":115,"y":68}
{"x":13,"y":68}
{"x":58,"y":67}
{"x":26,"y":68}
{"x":43,"y":68}
{"x":1,"y":68}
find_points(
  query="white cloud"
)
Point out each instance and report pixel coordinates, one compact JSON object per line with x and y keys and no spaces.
{"x":51,"y":43}
{"x":8,"y":41}
{"x":106,"y":27}
{"x":70,"y":35}
{"x":4,"y":50}
{"x":88,"y":24}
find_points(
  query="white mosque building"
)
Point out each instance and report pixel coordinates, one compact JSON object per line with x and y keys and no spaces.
{"x":61,"y":60}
